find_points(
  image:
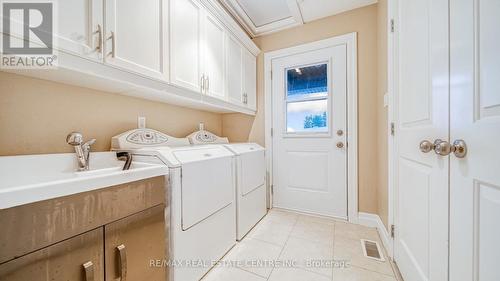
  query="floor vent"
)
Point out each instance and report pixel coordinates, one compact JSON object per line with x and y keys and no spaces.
{"x":372,"y":250}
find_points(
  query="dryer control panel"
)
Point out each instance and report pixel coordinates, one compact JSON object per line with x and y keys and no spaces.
{"x":205,"y":137}
{"x":141,"y":138}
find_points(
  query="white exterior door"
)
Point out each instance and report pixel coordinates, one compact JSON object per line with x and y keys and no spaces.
{"x":421,"y":250}
{"x":214,"y":52}
{"x":475,"y":118}
{"x":309,"y":123}
{"x":80,"y":27}
{"x":136,"y":37}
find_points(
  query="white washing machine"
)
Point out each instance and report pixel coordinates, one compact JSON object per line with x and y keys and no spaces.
{"x":250,"y":179}
{"x":202,"y":181}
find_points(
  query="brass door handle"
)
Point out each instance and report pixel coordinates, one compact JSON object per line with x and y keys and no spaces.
{"x":88,"y":267}
{"x":122,"y":262}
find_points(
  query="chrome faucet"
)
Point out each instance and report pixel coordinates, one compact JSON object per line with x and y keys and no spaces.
{"x":82,"y":150}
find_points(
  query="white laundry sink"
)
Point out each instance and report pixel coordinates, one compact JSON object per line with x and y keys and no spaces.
{"x":30,"y":178}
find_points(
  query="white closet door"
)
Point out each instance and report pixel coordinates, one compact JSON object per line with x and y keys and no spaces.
{"x":250,"y":79}
{"x":475,"y":118}
{"x":234,"y":71}
{"x":185,"y":41}
{"x":214,"y":62}
{"x":136,"y":36}
{"x":421,"y":242}
{"x":79,"y":27}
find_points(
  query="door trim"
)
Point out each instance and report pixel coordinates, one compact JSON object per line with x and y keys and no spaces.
{"x":392,"y":139}
{"x":350,"y":40}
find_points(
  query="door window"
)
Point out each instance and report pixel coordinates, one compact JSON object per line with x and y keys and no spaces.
{"x":307,"y":99}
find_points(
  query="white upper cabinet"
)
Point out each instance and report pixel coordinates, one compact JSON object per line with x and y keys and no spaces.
{"x":249,"y":80}
{"x":234,"y":56}
{"x":241,"y":74}
{"x":213,"y":57}
{"x":80,"y":27}
{"x":189,"y":52}
{"x":136,"y":36}
{"x":185,"y":42}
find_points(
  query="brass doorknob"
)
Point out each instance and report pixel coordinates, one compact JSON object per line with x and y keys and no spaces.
{"x":459,"y":148}
{"x":442,"y":147}
{"x":340,"y":144}
{"x":426,"y":146}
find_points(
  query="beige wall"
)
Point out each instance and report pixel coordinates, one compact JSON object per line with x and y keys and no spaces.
{"x":36,"y":115}
{"x":364,"y":22}
{"x":382,"y":165}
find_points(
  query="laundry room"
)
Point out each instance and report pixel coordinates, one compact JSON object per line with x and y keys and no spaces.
{"x":255,"y":140}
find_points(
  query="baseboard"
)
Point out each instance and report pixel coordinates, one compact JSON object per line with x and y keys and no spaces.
{"x":373,"y":220}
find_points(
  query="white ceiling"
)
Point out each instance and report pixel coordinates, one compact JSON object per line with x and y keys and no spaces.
{"x":261,"y":17}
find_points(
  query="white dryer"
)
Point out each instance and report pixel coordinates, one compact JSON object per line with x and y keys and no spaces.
{"x":202,"y":181}
{"x":250,"y":179}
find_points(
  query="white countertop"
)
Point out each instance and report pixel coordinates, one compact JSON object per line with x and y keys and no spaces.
{"x":31,"y":178}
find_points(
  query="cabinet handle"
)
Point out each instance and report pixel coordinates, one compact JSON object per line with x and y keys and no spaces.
{"x":113,"y":41}
{"x":208,"y":84}
{"x":89,"y":271}
{"x":122,"y":262}
{"x":202,"y":83}
{"x":99,"y":39}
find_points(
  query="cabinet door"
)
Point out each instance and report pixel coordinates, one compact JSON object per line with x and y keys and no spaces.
{"x":234,"y":71}
{"x":80,"y":258}
{"x":136,"y":36}
{"x":250,"y":80}
{"x":185,"y":42}
{"x":213,"y":56}
{"x":80,"y":27}
{"x":133,"y":242}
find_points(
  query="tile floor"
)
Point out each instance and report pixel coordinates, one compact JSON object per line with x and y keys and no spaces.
{"x":287,"y":246}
